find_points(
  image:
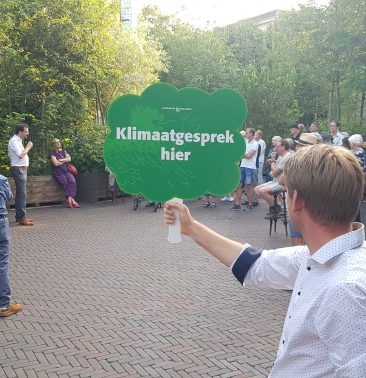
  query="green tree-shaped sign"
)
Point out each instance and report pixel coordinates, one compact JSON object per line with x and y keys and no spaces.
{"x":176,"y":143}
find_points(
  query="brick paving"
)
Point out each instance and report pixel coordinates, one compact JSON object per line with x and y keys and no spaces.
{"x":105,"y":295}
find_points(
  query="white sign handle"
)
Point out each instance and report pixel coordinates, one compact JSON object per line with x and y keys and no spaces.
{"x":174,"y":235}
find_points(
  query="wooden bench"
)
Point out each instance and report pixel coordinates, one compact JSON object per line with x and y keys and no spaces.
{"x":41,"y":190}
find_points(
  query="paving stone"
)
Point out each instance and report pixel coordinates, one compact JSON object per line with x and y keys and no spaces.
{"x":105,"y":295}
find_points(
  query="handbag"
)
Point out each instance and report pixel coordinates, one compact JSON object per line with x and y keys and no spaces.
{"x":72,"y":169}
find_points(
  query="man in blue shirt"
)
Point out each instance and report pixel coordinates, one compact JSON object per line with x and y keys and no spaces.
{"x":6,"y":308}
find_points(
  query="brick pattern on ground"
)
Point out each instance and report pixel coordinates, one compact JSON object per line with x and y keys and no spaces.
{"x":105,"y":295}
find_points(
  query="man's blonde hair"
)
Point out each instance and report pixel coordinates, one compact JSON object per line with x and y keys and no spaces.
{"x":329,"y":180}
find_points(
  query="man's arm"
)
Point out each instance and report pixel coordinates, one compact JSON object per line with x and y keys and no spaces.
{"x":249,"y":154}
{"x":275,"y":268}
{"x":224,"y":249}
{"x":26,"y":150}
{"x":19,"y":150}
{"x":275,"y":171}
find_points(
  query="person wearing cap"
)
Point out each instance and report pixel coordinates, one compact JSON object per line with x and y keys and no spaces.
{"x":324,"y":333}
{"x":294,"y":130}
{"x":335,"y":128}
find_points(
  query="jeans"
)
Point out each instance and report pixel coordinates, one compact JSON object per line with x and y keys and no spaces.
{"x":20,"y":177}
{"x":247,"y":176}
{"x":4,"y":263}
{"x":260,"y":173}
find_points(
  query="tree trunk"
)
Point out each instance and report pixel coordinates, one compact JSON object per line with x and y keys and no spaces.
{"x":43,"y":104}
{"x":362,"y":108}
{"x":338,"y":98}
{"x":100,"y":113}
{"x":331,"y":95}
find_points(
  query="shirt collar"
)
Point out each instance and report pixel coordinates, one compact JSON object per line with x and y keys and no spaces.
{"x":18,"y":138}
{"x":343,"y":243}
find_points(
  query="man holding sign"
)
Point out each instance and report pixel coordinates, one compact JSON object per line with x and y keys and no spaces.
{"x":324,"y":334}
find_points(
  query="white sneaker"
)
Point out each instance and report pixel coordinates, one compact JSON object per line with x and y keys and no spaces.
{"x":231,"y":199}
{"x":223,"y":199}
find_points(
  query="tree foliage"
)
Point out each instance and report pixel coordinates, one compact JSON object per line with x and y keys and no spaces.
{"x":310,"y":65}
{"x":65,"y":61}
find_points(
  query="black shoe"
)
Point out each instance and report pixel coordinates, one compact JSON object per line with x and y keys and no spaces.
{"x":245,"y":203}
{"x":150,"y":204}
{"x":235,"y":207}
{"x":255,"y":203}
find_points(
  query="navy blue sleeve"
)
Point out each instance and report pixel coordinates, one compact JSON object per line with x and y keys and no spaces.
{"x":5,"y":188}
{"x":243,"y":263}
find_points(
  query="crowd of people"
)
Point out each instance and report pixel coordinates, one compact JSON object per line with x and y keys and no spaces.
{"x":259,"y":164}
{"x":324,"y":333}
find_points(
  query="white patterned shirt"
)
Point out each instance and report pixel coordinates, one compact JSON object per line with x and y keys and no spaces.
{"x":324,"y":334}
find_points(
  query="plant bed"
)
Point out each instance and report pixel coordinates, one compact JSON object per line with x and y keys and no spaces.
{"x":92,"y":187}
{"x":41,"y":191}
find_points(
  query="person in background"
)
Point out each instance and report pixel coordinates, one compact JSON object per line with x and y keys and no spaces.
{"x":59,"y":159}
{"x":356,"y":143}
{"x":262,"y":144}
{"x":326,"y":138}
{"x":301,"y":128}
{"x":271,"y":155}
{"x":247,"y":171}
{"x":314,"y":128}
{"x":266,"y":190}
{"x":324,"y":333}
{"x":228,"y":198}
{"x":6,"y":308}
{"x":294,"y":130}
{"x":335,"y":130}
{"x":19,"y":162}
{"x":209,"y":202}
{"x":345,"y":143}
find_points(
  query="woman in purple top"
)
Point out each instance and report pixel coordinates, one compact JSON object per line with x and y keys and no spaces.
{"x":59,"y":159}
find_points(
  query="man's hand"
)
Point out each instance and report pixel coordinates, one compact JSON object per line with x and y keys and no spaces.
{"x":185,"y":217}
{"x":29,"y":145}
{"x":223,"y":249}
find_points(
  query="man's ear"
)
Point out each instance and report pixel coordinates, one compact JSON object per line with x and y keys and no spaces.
{"x":297,"y":201}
